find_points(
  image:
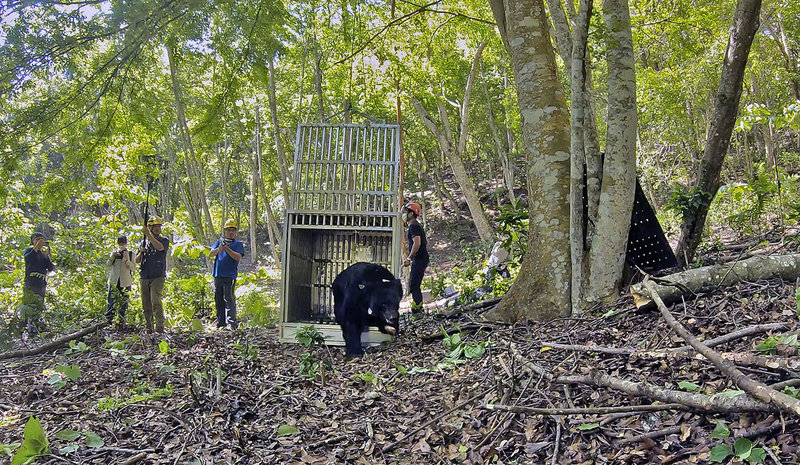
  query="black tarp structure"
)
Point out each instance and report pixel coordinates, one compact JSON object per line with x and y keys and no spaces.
{"x":648,"y":248}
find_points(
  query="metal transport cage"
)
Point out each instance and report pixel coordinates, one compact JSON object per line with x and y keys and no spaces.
{"x":342,"y":210}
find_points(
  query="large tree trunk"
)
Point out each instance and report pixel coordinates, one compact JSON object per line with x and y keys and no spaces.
{"x":745,"y":24}
{"x":607,"y":254}
{"x":542,"y":289}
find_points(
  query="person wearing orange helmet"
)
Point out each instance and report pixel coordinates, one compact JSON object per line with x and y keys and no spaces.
{"x":418,"y":257}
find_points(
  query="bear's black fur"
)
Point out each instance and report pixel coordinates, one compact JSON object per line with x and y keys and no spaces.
{"x":365,"y":295}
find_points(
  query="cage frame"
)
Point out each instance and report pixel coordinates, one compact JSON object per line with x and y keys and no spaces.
{"x":337,"y":213}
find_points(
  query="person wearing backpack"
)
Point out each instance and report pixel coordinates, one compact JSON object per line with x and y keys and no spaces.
{"x":120,"y":280}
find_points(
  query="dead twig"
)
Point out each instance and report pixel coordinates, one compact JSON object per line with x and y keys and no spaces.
{"x":755,"y":388}
{"x":585,"y":410}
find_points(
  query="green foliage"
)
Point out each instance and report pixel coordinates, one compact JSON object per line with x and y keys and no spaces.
{"x":688,"y":386}
{"x":246,"y":350}
{"x":163,"y":347}
{"x":588,"y":426}
{"x":142,"y":391}
{"x":512,"y":227}
{"x":63,"y":374}
{"x":257,"y":299}
{"x":309,"y":336}
{"x":311,"y":366}
{"x":287,"y":430}
{"x":459,"y":350}
{"x":770,"y":344}
{"x":34,"y":443}
{"x":721,"y":431}
{"x":367,"y":377}
{"x":684,"y":201}
{"x":77,"y":347}
{"x":743,"y":449}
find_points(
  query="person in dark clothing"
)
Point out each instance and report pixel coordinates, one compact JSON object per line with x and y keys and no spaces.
{"x":37,"y":266}
{"x":152,"y":273}
{"x":418,"y":257}
{"x":226,"y":252}
{"x":120,"y":279}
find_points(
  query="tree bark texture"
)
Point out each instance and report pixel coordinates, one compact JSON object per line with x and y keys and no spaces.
{"x":608,"y":246}
{"x":745,"y":25}
{"x":786,"y":267}
{"x":577,"y":191}
{"x":543,"y":288}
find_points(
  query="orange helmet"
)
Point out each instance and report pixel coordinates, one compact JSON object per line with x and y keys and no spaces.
{"x":414,"y":207}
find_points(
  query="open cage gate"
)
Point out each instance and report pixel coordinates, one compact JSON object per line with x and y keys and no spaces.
{"x":343,"y":209}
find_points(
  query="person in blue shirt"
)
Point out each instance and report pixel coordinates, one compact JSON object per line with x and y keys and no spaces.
{"x":226,"y":252}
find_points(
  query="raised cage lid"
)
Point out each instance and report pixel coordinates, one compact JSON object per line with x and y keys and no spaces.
{"x":346,"y":168}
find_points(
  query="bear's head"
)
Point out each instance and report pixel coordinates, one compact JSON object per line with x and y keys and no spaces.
{"x":384,"y":305}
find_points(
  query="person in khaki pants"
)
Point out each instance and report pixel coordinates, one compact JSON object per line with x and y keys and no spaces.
{"x":152,"y":273}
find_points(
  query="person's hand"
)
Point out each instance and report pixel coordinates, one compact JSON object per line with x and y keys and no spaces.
{"x":406,"y":262}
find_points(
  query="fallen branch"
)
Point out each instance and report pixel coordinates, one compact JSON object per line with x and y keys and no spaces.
{"x":661,"y":353}
{"x":55,"y":343}
{"x":755,"y":388}
{"x":652,"y":434}
{"x":757,"y":268}
{"x":325,"y":442}
{"x":585,"y":410}
{"x":691,"y":400}
{"x":134,"y":459}
{"x":391,"y":446}
{"x":528,"y":365}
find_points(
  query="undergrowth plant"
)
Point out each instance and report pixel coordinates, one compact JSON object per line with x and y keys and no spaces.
{"x":311,"y":367}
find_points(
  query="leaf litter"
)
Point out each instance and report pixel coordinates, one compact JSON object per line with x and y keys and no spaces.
{"x":238,"y":397}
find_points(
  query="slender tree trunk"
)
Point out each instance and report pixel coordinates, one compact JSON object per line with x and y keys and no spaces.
{"x":194,"y":172}
{"x":272,"y":224}
{"x":253,"y":207}
{"x":279,"y":149}
{"x":745,"y":24}
{"x":578,"y":103}
{"x":455,"y":153}
{"x":318,"y":83}
{"x":502,"y":153}
{"x":543,"y":288}
{"x":607,"y":254}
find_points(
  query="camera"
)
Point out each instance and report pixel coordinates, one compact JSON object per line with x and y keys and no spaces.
{"x":226,"y":241}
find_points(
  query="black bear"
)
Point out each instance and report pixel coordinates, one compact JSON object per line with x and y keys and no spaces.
{"x":365,"y":295}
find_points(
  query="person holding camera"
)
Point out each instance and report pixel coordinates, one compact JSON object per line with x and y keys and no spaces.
{"x":120,"y":279}
{"x":152,"y":273}
{"x":37,"y":266}
{"x":226,"y":252}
